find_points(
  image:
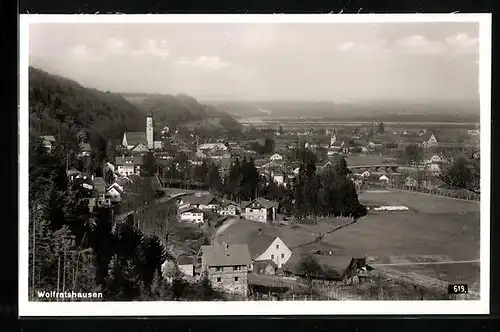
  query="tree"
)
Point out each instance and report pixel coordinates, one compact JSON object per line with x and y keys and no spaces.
{"x":413,"y":154}
{"x":463,"y":173}
{"x":381,"y":129}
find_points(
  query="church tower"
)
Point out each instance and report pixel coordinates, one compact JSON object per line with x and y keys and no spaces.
{"x":333,"y":139}
{"x":149,"y":130}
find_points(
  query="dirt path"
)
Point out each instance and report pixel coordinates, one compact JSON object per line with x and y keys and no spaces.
{"x":223,"y":227}
{"x":426,"y":263}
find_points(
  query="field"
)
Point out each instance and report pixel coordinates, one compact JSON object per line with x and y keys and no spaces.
{"x":436,"y":230}
{"x":438,"y":233}
{"x":419,"y":203}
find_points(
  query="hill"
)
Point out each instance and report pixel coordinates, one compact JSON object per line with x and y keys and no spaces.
{"x":183,"y":111}
{"x":56,"y":100}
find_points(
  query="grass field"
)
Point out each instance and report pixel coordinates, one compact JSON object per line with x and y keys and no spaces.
{"x":436,"y":229}
{"x":419,"y":203}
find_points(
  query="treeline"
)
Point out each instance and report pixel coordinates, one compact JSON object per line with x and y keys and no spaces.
{"x":56,"y":100}
{"x":74,"y":249}
{"x":181,"y":109}
{"x":327,"y":192}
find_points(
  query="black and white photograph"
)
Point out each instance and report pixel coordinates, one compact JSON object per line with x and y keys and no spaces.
{"x":254,"y":164}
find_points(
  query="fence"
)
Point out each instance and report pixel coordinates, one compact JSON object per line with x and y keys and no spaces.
{"x":456,"y":194}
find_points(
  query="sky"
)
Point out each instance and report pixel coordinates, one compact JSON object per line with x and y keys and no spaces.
{"x":339,"y":62}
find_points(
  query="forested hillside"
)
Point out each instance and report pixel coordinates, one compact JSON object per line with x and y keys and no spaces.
{"x":183,"y":110}
{"x":55,"y":100}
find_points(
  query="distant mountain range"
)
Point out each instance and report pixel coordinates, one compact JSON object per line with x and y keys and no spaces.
{"x":465,"y":111}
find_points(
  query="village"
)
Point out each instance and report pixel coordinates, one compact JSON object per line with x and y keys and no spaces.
{"x":255,"y":247}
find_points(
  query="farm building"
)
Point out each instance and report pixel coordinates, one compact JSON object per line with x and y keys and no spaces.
{"x":186,"y":265}
{"x":227,"y":266}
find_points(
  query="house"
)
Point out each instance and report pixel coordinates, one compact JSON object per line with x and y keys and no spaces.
{"x":186,"y":265}
{"x":129,"y":165}
{"x":278,"y":179}
{"x":209,"y":149}
{"x":473,"y":132}
{"x":261,"y":209}
{"x":205,"y":202}
{"x":48,"y":142}
{"x":384,"y":179}
{"x":228,"y":209}
{"x":103,"y":199}
{"x":226,"y":266}
{"x":267,"y":267}
{"x":85,"y":150}
{"x":139,"y":148}
{"x":333,"y":139}
{"x":435,"y":169}
{"x":373,"y":145}
{"x":158,"y":145}
{"x":191,"y":214}
{"x":276,"y":156}
{"x":410,"y":182}
{"x":132,"y":139}
{"x":264,"y":247}
{"x":333,"y":267}
{"x":429,"y":140}
{"x":115,"y":192}
{"x":437,"y":159}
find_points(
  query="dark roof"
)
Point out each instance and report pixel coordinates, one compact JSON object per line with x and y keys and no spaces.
{"x":185,"y":260}
{"x":428,"y":135}
{"x":334,"y":267}
{"x":85,"y":147}
{"x":267,"y":204}
{"x":222,"y":255}
{"x":100,"y":185}
{"x":49,"y":138}
{"x":136,"y":160}
{"x":198,"y":200}
{"x":134,"y":138}
{"x":189,"y":209}
{"x":258,"y":243}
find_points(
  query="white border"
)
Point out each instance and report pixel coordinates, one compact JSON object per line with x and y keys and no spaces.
{"x":27,"y":308}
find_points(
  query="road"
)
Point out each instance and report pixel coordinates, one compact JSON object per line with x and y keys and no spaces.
{"x":426,"y":263}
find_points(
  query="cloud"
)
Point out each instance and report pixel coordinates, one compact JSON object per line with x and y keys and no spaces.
{"x":83,"y":53}
{"x":153,"y":48}
{"x":419,"y":45}
{"x":209,"y":62}
{"x":462,"y":43}
{"x":115,"y":45}
{"x":375,"y":46}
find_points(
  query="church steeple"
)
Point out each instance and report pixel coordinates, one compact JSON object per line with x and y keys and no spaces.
{"x":149,"y":130}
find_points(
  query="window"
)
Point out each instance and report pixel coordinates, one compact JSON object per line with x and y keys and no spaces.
{"x":272,"y":256}
{"x":219,"y":279}
{"x":277,"y":246}
{"x":282,"y":255}
{"x":235,"y":278}
{"x":218,"y":268}
{"x":236,"y":268}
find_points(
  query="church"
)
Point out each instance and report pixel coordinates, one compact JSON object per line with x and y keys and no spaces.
{"x":142,"y":141}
